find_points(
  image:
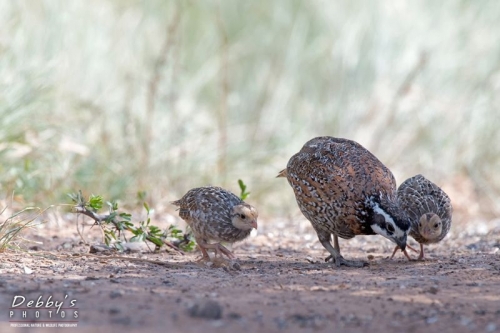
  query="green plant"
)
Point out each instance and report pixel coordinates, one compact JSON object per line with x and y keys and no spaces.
{"x":243,"y":190}
{"x":116,"y":224}
{"x":14,"y":225}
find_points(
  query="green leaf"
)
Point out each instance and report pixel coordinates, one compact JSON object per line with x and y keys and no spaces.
{"x":119,"y":246}
{"x":126,"y":216}
{"x":146,"y":206}
{"x":128,"y":224}
{"x":107,"y":239}
{"x":136,"y":231}
{"x":242,"y":185}
{"x":110,"y":234}
{"x":156,"y":241}
{"x":77,"y":198}
{"x":95,"y":202}
{"x":141,"y":195}
{"x":110,"y":218}
{"x":189,"y":246}
{"x":138,"y":238}
{"x":113,"y":205}
{"x":243,"y":194}
{"x":154,"y":229}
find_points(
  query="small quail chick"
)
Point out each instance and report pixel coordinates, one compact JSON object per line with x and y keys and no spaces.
{"x":215,"y":214}
{"x":429,"y":209}
{"x":344,"y":191}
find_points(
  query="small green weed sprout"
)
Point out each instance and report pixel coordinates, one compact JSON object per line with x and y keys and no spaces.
{"x":243,"y":188}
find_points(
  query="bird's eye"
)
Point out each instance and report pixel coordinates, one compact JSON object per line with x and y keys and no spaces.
{"x":436,"y":225}
{"x":390,"y":228}
{"x":242,"y":216}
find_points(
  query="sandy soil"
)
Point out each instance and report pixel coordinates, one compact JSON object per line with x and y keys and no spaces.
{"x":282,"y":285}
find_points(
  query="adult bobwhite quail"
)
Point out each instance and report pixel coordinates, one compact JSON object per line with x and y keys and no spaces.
{"x":429,"y":209}
{"x":215,"y":214}
{"x":344,"y":191}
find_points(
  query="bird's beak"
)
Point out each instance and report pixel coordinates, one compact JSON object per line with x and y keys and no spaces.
{"x":401,"y":242}
{"x":254,"y":224}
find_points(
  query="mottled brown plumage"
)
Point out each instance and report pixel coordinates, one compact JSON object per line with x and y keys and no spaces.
{"x":215,"y":214}
{"x":428,"y":208}
{"x":344,"y":191}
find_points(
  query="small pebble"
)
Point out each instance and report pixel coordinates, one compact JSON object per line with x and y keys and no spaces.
{"x":465,"y":321}
{"x":433,"y":290}
{"x":134,"y":247}
{"x":27,"y":270}
{"x":207,"y":309}
{"x":116,"y":293}
{"x":99,"y":248}
{"x":114,"y":311}
{"x":491,"y":327}
{"x":91,"y":278}
{"x":234,"y":315}
{"x":235,"y":265}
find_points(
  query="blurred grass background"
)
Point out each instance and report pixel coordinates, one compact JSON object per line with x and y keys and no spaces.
{"x":120,"y":96}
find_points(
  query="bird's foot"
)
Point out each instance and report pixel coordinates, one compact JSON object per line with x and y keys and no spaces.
{"x":205,"y":256}
{"x":394,"y":252}
{"x":221,"y":249}
{"x":203,"y":259}
{"x":349,"y":263}
{"x":404,"y":252}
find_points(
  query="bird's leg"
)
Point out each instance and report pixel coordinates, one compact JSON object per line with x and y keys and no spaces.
{"x":394,"y":252}
{"x":406,"y":255}
{"x":421,"y":256}
{"x":217,"y":247}
{"x":411,"y":248}
{"x":335,"y":255}
{"x":336,"y":245}
{"x":202,"y":246}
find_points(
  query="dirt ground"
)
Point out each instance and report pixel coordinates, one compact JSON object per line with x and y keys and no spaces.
{"x":283,"y":284}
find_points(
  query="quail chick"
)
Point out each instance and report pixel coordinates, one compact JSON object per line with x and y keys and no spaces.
{"x":344,"y":191}
{"x":215,"y":214}
{"x":428,"y":208}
